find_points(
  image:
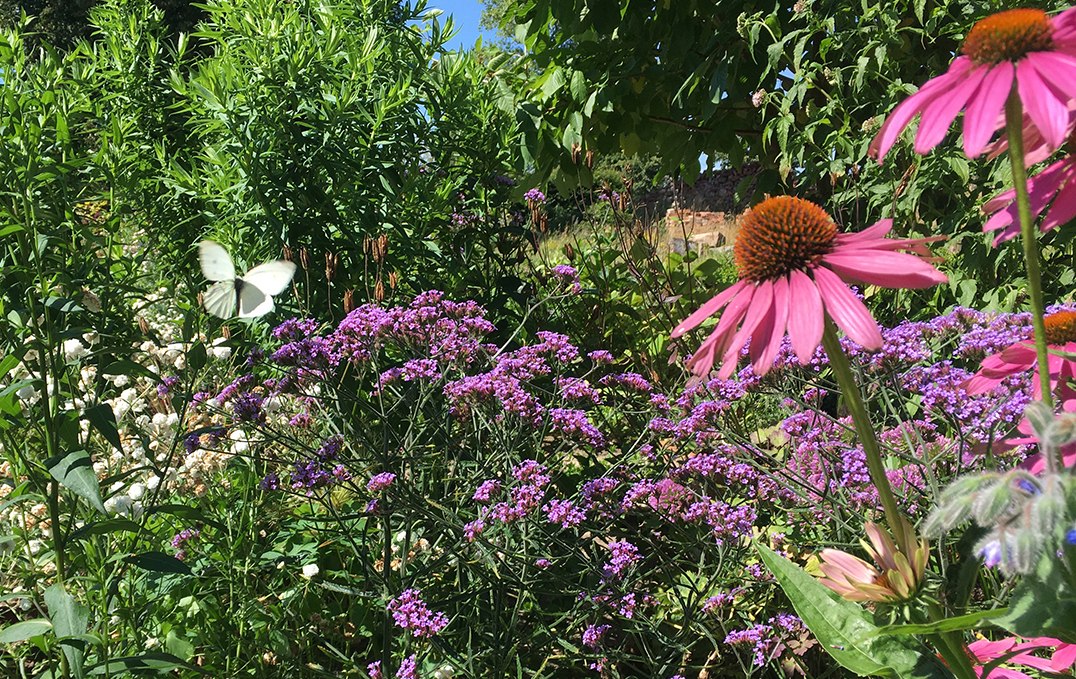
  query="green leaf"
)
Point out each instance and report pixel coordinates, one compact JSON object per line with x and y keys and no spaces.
{"x":845,"y":629}
{"x":21,"y":631}
{"x":75,"y":472}
{"x":1043,"y":604}
{"x":159,"y":662}
{"x":159,"y":562}
{"x":69,"y":619}
{"x":104,"y":421}
{"x":178,"y":646}
{"x":104,"y":527}
{"x":961,"y":622}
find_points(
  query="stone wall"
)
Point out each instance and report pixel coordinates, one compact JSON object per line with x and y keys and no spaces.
{"x":699,"y":230}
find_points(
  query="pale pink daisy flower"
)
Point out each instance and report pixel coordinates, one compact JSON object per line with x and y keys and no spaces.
{"x":1025,"y":45}
{"x":794,"y":266}
{"x":1051,"y":193}
{"x":1019,"y":358}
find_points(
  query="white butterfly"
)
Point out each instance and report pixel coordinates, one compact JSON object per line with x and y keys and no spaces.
{"x":253,"y":293}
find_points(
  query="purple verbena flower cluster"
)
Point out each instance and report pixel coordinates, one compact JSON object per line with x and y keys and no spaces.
{"x":410,"y":612}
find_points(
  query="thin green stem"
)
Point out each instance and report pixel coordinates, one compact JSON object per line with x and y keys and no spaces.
{"x":949,"y":645}
{"x":853,"y":398}
{"x":1014,"y":124}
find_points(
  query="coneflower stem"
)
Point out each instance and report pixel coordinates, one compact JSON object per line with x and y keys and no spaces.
{"x":1014,"y":125}
{"x":853,"y":398}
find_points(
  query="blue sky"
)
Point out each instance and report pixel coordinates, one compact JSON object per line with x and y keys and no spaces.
{"x":465,"y":14}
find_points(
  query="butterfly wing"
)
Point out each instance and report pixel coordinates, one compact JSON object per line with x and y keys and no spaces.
{"x":219,"y":299}
{"x":216,"y":262}
{"x":272,"y":277}
{"x":253,"y":301}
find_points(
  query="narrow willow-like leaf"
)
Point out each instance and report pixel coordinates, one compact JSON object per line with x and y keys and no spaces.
{"x":961,"y":622}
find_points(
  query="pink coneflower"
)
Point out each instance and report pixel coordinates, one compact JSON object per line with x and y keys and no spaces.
{"x":793,"y":266}
{"x":1025,"y":45}
{"x":895,"y":576}
{"x":1010,"y":651}
{"x":1019,"y":357}
{"x":1052,"y":191}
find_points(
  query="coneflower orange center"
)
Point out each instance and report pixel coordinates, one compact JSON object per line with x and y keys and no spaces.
{"x":782,"y":234}
{"x":1060,"y":327}
{"x":1008,"y":36}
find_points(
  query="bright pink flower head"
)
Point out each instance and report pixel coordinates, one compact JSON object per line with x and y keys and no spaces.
{"x":794,"y":266}
{"x":1052,"y":193}
{"x":984,"y":652}
{"x":1025,"y":45}
{"x":1020,"y":357}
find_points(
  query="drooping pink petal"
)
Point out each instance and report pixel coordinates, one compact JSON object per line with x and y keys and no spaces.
{"x":760,"y":305}
{"x":905,"y":112}
{"x":846,"y":310}
{"x":806,"y":316}
{"x":708,"y":309}
{"x":702,"y":361}
{"x":725,"y":329}
{"x":1063,"y":209}
{"x":767,"y":354}
{"x":1057,"y":68}
{"x":884,"y":268}
{"x":999,"y":201}
{"x":940,"y":113}
{"x":981,"y":118}
{"x":1049,"y":114}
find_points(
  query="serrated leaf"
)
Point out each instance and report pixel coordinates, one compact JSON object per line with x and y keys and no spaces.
{"x":74,"y":471}
{"x":845,"y":629}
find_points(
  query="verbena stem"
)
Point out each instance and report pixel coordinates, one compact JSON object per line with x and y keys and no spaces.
{"x":1014,"y":125}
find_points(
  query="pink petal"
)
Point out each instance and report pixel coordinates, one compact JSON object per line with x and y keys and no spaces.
{"x":1064,"y":657}
{"x":905,"y":111}
{"x":884,"y":268}
{"x":781,"y":301}
{"x":985,"y":650}
{"x":981,"y":118}
{"x":1056,"y":68}
{"x":718,"y":341}
{"x":1063,"y":209}
{"x":702,"y":361}
{"x":846,"y":310}
{"x":1049,"y":115}
{"x":1030,"y":661}
{"x":756,"y":312}
{"x":806,"y":316}
{"x":708,"y":309}
{"x":999,"y":201}
{"x":980,"y":384}
{"x":873,"y":232}
{"x":940,"y":113}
